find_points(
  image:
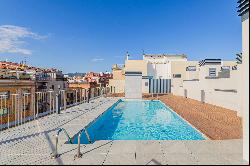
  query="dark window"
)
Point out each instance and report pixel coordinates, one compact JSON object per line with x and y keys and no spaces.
{"x":212,"y":72}
{"x":5,"y":95}
{"x":225,"y":68}
{"x":3,"y":111}
{"x":177,"y":75}
{"x":191,"y":68}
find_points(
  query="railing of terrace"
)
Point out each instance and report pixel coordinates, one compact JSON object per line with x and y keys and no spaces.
{"x":17,"y":109}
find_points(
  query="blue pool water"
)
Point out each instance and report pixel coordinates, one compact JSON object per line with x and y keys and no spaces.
{"x":140,"y":120}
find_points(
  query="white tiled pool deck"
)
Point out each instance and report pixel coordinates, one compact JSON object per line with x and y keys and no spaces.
{"x":33,"y":143}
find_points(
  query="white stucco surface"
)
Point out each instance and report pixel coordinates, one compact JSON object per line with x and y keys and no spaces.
{"x":133,"y":87}
{"x":245,"y":100}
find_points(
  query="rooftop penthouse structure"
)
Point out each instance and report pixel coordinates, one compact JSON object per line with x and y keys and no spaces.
{"x":91,"y":79}
{"x":165,"y":66}
{"x":163,"y":58}
{"x":164,"y":73}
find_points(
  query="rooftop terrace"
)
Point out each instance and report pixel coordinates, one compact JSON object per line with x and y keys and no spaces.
{"x":33,"y":143}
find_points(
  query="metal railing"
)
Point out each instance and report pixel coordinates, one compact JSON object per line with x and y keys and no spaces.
{"x":157,"y":95}
{"x":19,"y":108}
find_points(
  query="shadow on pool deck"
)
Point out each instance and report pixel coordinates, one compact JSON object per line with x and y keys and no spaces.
{"x":27,"y":136}
{"x":43,"y":132}
{"x":84,"y":146}
{"x":154,"y":161}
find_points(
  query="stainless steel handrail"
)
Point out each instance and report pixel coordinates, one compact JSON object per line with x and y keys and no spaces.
{"x":78,"y":155}
{"x":65,"y":132}
{"x":55,"y":154}
{"x":87,"y":134}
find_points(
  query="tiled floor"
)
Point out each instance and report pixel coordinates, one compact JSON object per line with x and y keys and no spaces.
{"x":33,"y":142}
{"x":162,"y":152}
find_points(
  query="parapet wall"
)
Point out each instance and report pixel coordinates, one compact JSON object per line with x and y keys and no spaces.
{"x":223,"y":92}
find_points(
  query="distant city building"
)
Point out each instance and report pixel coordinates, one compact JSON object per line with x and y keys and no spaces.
{"x":76,"y":74}
{"x":45,"y":79}
{"x":11,"y":91}
{"x":90,"y":80}
{"x":52,"y":80}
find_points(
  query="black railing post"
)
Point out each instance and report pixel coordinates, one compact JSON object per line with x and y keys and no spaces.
{"x":58,"y":103}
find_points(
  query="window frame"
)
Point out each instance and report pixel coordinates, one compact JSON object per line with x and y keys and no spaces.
{"x":177,"y":76}
{"x":188,"y":68}
{"x":212,"y":70}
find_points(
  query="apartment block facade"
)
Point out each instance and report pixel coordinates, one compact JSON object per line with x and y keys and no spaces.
{"x":213,"y":81}
{"x":16,"y":100}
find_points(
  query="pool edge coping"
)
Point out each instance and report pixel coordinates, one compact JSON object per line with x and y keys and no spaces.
{"x":85,"y":126}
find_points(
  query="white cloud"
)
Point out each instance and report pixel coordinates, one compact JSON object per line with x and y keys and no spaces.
{"x":97,"y":59}
{"x":12,"y":39}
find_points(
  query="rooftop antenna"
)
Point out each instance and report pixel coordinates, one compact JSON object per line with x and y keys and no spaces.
{"x":143,"y":53}
{"x":127,"y":55}
{"x":25,"y":60}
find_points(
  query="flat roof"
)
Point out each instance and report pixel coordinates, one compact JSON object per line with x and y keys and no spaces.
{"x":166,"y":55}
{"x":10,"y":82}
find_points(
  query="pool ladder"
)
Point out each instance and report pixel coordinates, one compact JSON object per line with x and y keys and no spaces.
{"x":78,"y":155}
{"x":55,"y":153}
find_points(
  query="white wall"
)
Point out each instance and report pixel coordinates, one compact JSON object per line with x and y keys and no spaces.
{"x":230,"y":100}
{"x":192,"y":75}
{"x":193,"y":89}
{"x":162,"y":71}
{"x":151,"y":70}
{"x":223,"y":97}
{"x":145,"y":89}
{"x":133,"y":87}
{"x":160,"y":67}
{"x":120,"y":85}
{"x":177,"y":87}
{"x":245,"y":85}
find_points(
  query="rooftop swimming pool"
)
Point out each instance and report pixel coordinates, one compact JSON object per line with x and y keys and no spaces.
{"x":139,"y":120}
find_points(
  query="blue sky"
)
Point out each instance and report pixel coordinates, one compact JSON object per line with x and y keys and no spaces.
{"x":91,"y":35}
